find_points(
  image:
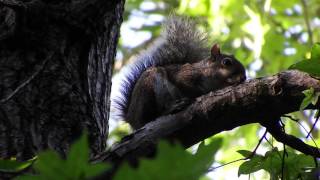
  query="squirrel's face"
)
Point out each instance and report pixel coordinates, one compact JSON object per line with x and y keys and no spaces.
{"x":219,"y":71}
{"x":229,"y":69}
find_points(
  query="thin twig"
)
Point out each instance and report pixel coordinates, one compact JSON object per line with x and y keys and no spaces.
{"x":313,"y":126}
{"x":260,"y":141}
{"x":277,"y":132}
{"x":25,"y":83}
{"x":231,"y":162}
{"x":270,"y":143}
{"x":306,"y":19}
{"x":297,"y":121}
{"x":242,"y":159}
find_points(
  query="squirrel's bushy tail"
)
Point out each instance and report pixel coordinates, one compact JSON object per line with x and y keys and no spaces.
{"x":180,"y":42}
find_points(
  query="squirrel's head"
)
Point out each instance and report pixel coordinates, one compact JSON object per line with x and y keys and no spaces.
{"x":220,"y":70}
{"x":227,"y":67}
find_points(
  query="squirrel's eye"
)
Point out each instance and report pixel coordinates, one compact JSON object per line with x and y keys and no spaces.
{"x":227,"y":62}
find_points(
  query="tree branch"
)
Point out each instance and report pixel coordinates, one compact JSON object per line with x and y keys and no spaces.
{"x":256,"y":101}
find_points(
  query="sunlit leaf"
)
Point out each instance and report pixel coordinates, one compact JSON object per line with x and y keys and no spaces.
{"x":315,"y":52}
{"x":311,"y":66}
{"x":311,"y":97}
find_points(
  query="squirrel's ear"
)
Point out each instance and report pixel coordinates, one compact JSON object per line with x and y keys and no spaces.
{"x":215,"y":50}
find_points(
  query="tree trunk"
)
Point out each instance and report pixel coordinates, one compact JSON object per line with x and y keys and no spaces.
{"x":56,"y":63}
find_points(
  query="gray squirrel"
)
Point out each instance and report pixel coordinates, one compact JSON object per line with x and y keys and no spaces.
{"x":172,"y":72}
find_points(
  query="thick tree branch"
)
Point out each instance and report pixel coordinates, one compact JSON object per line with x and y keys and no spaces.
{"x":256,"y":101}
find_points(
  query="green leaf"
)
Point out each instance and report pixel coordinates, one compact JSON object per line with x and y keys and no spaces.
{"x":250,"y":166}
{"x":50,"y":166}
{"x":272,"y":163}
{"x":13,"y":165}
{"x":244,"y":153}
{"x":315,"y":98}
{"x":296,"y":163}
{"x":315,"y":52}
{"x":311,"y":97}
{"x":172,"y":162}
{"x":312,"y":65}
{"x":78,"y":156}
{"x":293,"y":166}
{"x":308,"y":66}
{"x":128,"y":173}
{"x":29,"y":177}
{"x":95,"y":169}
{"x":205,"y":151}
{"x":307,"y":99}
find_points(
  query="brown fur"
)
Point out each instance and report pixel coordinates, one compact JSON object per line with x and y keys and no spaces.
{"x":161,"y":90}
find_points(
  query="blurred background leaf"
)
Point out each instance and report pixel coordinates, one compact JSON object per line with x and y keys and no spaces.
{"x":50,"y":166}
{"x":172,"y":162}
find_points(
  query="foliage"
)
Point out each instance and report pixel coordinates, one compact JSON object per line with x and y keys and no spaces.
{"x":311,"y":66}
{"x":274,"y":34}
{"x":294,"y":165}
{"x":311,"y":97}
{"x":50,"y":166}
{"x":172,"y":162}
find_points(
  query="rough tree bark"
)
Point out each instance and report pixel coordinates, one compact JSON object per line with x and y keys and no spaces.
{"x":56,"y":61}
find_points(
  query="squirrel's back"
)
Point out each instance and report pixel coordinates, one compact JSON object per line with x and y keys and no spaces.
{"x":180,"y":42}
